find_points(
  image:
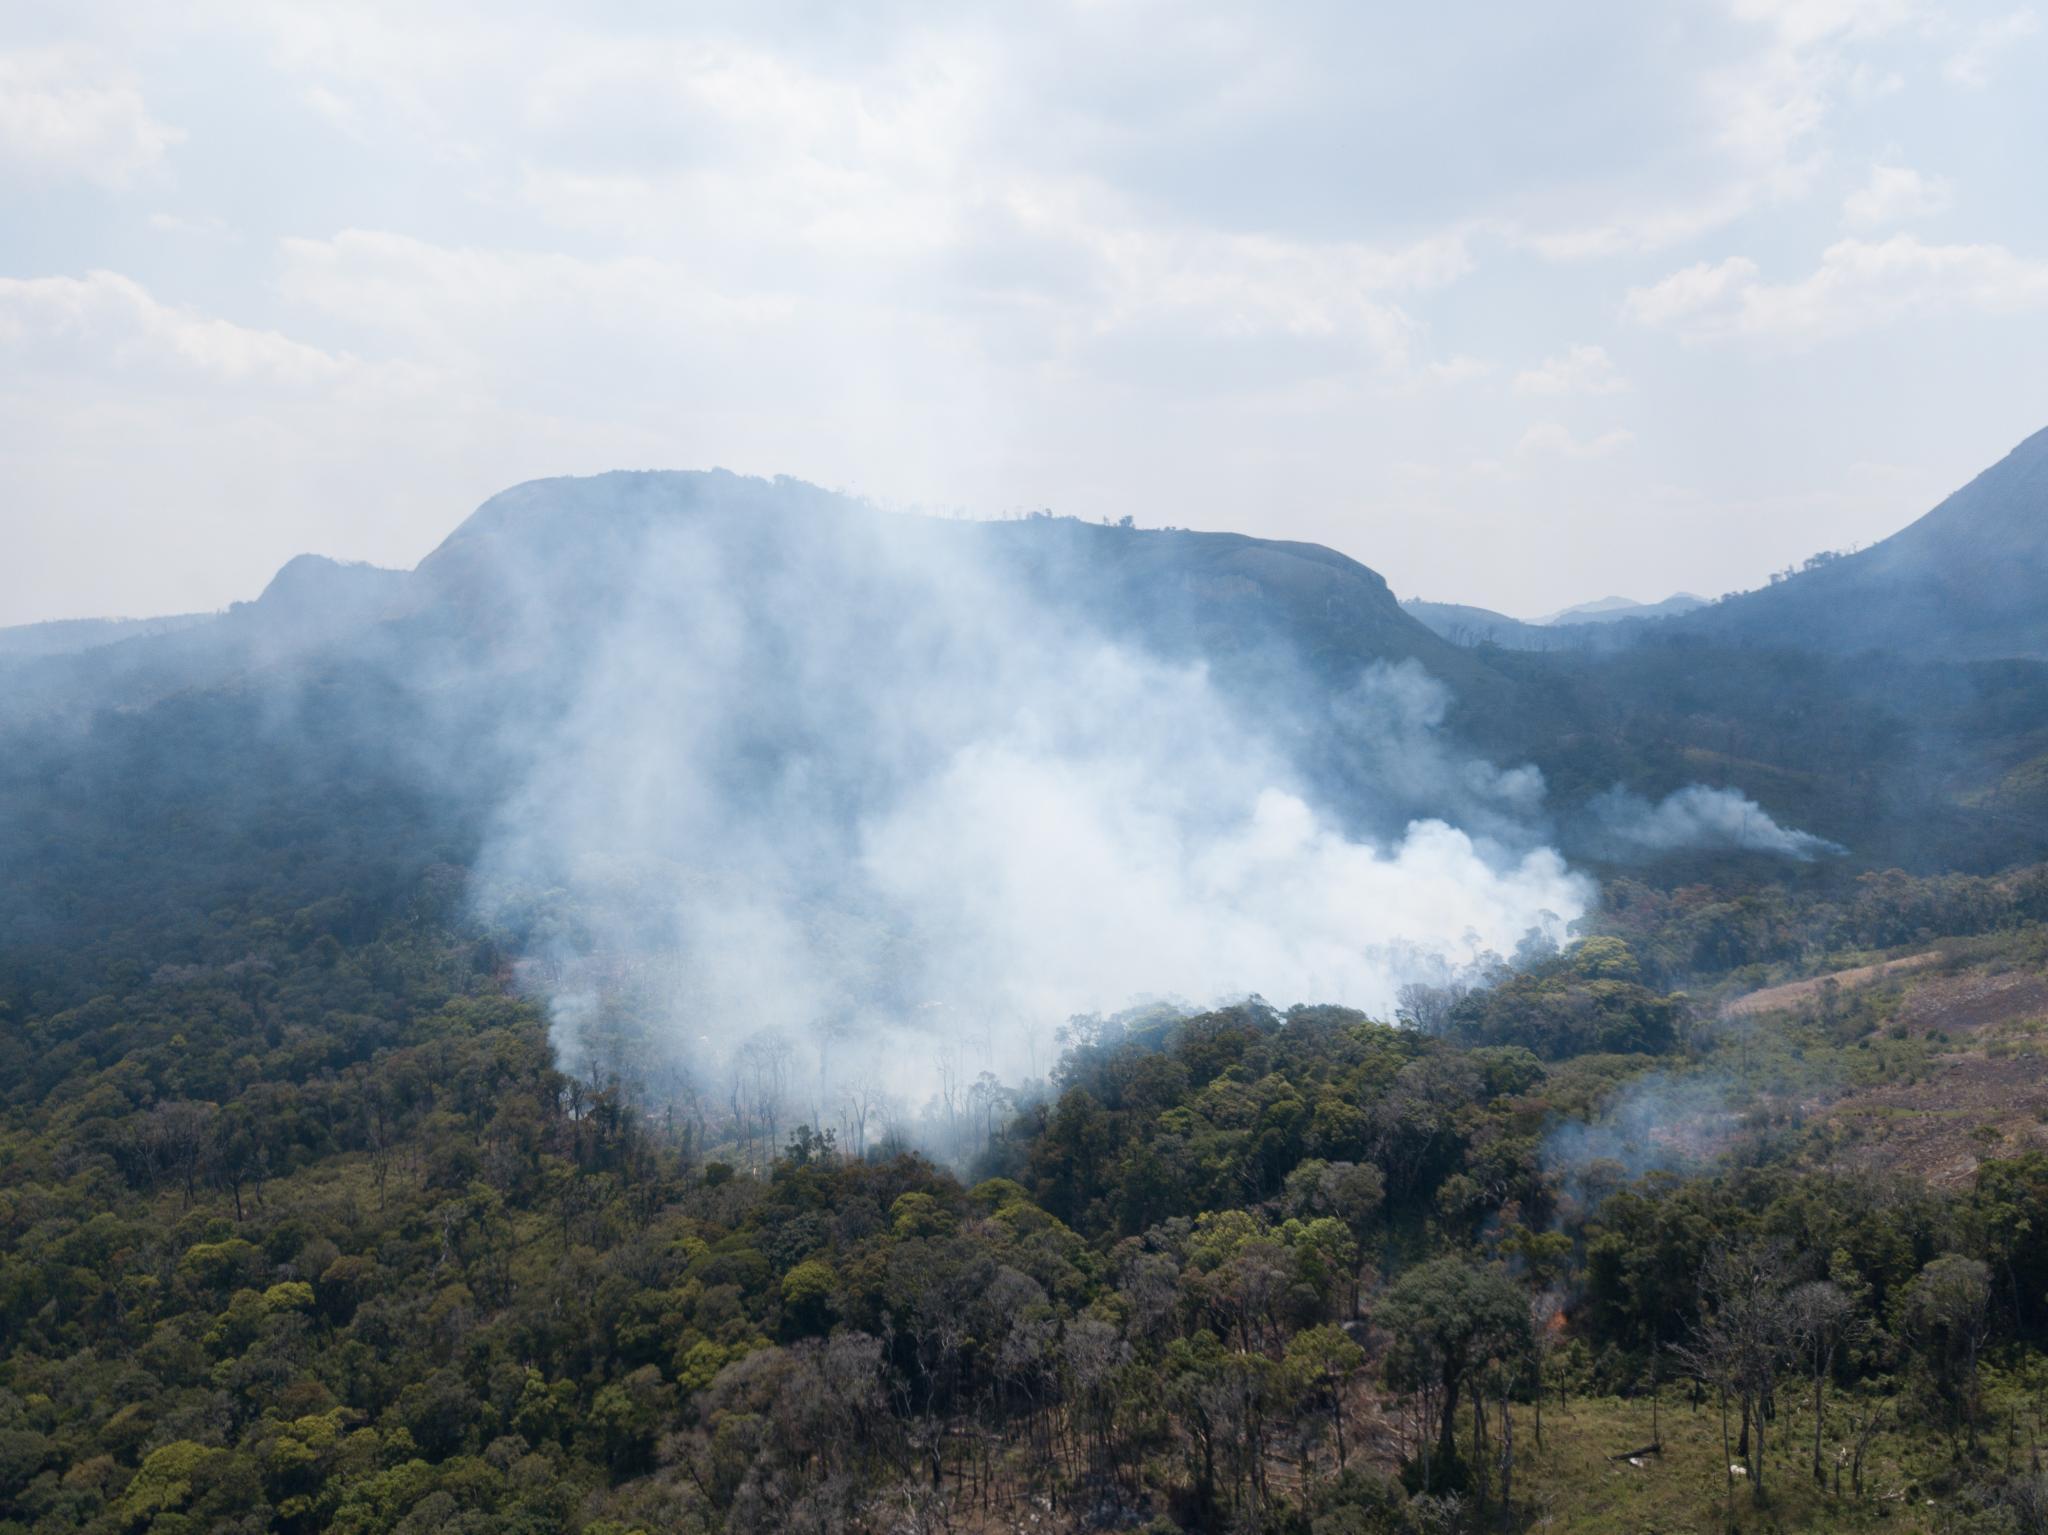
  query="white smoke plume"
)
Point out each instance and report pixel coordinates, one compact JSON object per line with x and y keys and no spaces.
{"x":1659,"y":1121}
{"x":1701,"y":817}
{"x":853,"y":779}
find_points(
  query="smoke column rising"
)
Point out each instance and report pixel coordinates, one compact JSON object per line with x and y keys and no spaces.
{"x":855,"y":778}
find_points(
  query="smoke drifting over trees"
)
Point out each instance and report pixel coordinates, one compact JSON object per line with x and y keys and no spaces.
{"x":874,"y":781}
{"x":695,"y":1185}
{"x":1700,"y":817}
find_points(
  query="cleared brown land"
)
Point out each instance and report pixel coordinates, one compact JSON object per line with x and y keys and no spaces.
{"x":1964,"y":1003}
{"x":1986,"y":1097}
{"x":1968,"y":1108}
{"x":1774,"y":999}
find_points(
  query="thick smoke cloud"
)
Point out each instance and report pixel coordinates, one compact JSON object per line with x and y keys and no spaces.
{"x":1701,"y":817}
{"x":864,"y":782}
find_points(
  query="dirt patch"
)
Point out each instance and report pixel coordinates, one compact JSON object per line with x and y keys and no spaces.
{"x":1778,"y":999}
{"x":1968,"y":1108}
{"x":1965,"y":1003}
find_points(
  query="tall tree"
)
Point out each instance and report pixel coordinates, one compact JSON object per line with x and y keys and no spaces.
{"x":1449,"y":1320}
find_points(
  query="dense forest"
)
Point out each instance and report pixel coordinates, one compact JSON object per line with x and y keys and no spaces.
{"x":1722,"y":1204}
{"x":305,"y":1230}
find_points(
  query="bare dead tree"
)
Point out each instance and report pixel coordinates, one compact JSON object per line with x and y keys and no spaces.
{"x":1546,"y":1326}
{"x":1740,"y":1343}
{"x":1822,"y":1315}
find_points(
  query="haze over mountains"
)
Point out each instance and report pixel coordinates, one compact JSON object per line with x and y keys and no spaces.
{"x":1376,"y":712}
{"x":1969,"y":580}
{"x":753,"y":810}
{"x":776,"y":754}
{"x":552,"y":548}
{"x":1609,"y":610}
{"x":1463,"y":624}
{"x":1965,"y":580}
{"x":751,"y":748}
{"x":68,"y":636}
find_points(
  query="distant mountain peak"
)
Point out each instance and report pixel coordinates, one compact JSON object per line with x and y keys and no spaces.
{"x":314,"y":598}
{"x":1598,"y":605}
{"x":320,"y":578}
{"x":1609,"y":609}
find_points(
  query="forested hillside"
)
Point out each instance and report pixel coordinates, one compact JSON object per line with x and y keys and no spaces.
{"x":1009,"y":985}
{"x":342,"y":1190}
{"x":304,"y":1230}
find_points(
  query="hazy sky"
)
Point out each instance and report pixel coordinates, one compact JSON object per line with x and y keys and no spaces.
{"x":1519,"y":304}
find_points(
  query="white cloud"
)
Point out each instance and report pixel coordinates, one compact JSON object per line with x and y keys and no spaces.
{"x":200,"y":226}
{"x":1970,"y":65}
{"x":61,"y":117}
{"x":1460,"y":369}
{"x":1246,"y":286}
{"x":107,"y":320}
{"x":1762,"y":120}
{"x":162,"y":457}
{"x":1094,"y":260}
{"x":1107,"y":280}
{"x":1858,"y":285}
{"x":1802,"y":23}
{"x":1639,"y":230}
{"x":919,"y":170}
{"x":1867,"y":82}
{"x":473,"y":300}
{"x":1690,"y":291}
{"x":1580,"y":370}
{"x":1551,"y":439}
{"x":1895,"y":194}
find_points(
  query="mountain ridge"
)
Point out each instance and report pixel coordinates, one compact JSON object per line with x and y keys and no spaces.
{"x":1966,"y":580}
{"x":532,"y":557}
{"x":1184,"y":588}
